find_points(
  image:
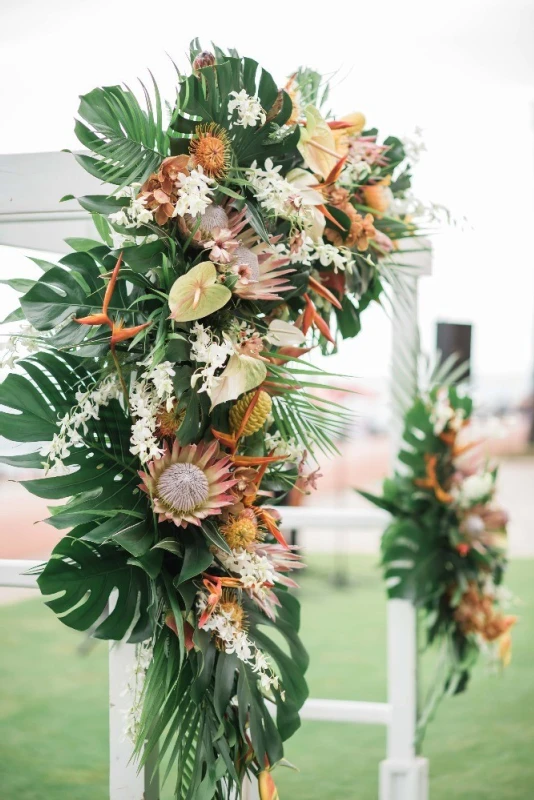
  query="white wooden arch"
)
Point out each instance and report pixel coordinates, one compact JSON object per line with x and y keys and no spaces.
{"x":31,"y":216}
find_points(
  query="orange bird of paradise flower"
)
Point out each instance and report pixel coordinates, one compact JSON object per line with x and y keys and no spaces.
{"x":118,"y":332}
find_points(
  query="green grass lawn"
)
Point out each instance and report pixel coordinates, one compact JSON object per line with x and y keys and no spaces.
{"x":53,"y":704}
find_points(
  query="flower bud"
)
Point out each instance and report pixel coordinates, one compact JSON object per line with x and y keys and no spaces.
{"x":204,"y":59}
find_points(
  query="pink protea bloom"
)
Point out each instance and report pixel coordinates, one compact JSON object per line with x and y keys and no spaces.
{"x":270,"y":280}
{"x":188,"y":484}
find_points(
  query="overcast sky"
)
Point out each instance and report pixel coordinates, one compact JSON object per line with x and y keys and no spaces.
{"x":462,"y":71}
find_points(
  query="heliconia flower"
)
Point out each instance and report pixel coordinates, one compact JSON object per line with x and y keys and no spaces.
{"x":119,"y":333}
{"x":431,"y":480}
{"x":266,"y":786}
{"x":188,"y":484}
{"x":214,"y":586}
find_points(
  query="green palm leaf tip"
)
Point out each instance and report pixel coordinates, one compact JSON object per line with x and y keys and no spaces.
{"x":129,"y":142}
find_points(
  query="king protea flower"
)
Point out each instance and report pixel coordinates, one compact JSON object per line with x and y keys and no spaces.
{"x":188,"y":484}
{"x":268,"y":277}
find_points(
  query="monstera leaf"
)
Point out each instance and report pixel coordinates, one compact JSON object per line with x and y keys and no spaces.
{"x":204,"y":98}
{"x":292,"y":667}
{"x":102,"y":475}
{"x":84,"y":578}
{"x":75,"y":288}
{"x":410,"y":558}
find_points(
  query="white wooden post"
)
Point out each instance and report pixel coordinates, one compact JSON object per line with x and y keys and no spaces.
{"x":125,"y":781}
{"x":250,"y":790}
{"x":403,"y":775}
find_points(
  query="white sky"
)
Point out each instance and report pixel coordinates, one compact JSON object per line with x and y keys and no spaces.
{"x":462,"y":71}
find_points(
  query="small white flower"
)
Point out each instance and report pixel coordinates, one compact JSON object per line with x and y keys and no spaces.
{"x":194,"y":192}
{"x":73,"y":426}
{"x":248,"y":107}
{"x":284,"y":447}
{"x":330,"y":256}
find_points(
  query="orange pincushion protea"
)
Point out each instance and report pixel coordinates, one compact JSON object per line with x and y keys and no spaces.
{"x":188,"y":484}
{"x":242,"y":530}
{"x":210,"y":149}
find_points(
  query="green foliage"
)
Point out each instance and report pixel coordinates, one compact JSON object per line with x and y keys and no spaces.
{"x":129,"y":142}
{"x":83,"y":578}
{"x":426,"y":556}
{"x":204,"y":97}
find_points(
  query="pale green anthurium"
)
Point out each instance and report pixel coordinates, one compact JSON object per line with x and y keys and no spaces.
{"x":284,"y":334}
{"x":317,"y":144}
{"x":197,"y":294}
{"x":241,"y":374}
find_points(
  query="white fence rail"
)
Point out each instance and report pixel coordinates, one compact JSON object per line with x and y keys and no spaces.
{"x":403,"y":776}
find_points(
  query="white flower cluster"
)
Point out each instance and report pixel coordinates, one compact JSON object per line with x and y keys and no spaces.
{"x":193,"y":193}
{"x":414,"y":145}
{"x":330,"y":256}
{"x":235,"y":640}
{"x":276,"y":194}
{"x":19,"y":345}
{"x":73,"y":426}
{"x":254,"y":571}
{"x":120,"y":240}
{"x":474,"y":489}
{"x":284,"y":447}
{"x":146,"y":399}
{"x":355,"y":172}
{"x":248,"y":107}
{"x":134,"y":689}
{"x":208,"y":350}
{"x":443,"y":415}
{"x":133,"y":215}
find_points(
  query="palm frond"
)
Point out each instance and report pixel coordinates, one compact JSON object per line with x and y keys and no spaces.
{"x":129,"y":141}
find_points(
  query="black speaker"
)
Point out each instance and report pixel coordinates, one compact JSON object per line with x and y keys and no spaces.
{"x":455,"y":338}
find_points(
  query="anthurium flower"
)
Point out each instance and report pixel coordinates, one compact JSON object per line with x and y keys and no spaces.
{"x":346,"y":128}
{"x":317,"y":144}
{"x":241,"y":374}
{"x":284,"y":334}
{"x":197,"y":293}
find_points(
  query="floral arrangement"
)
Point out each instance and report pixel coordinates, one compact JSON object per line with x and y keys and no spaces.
{"x":446,"y":546}
{"x":240,"y":226}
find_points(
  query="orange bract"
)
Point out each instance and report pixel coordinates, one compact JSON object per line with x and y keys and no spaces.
{"x":118,"y":332}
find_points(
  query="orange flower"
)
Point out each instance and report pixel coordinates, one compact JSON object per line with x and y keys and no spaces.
{"x":431,"y":480}
{"x":378,"y":195}
{"x":361,"y":229}
{"x":118,"y":332}
{"x":159,"y":190}
{"x":346,"y":129}
{"x":210,"y":149}
{"x":266,"y":786}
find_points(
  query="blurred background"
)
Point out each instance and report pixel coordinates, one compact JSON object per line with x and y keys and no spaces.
{"x":463,"y":73}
